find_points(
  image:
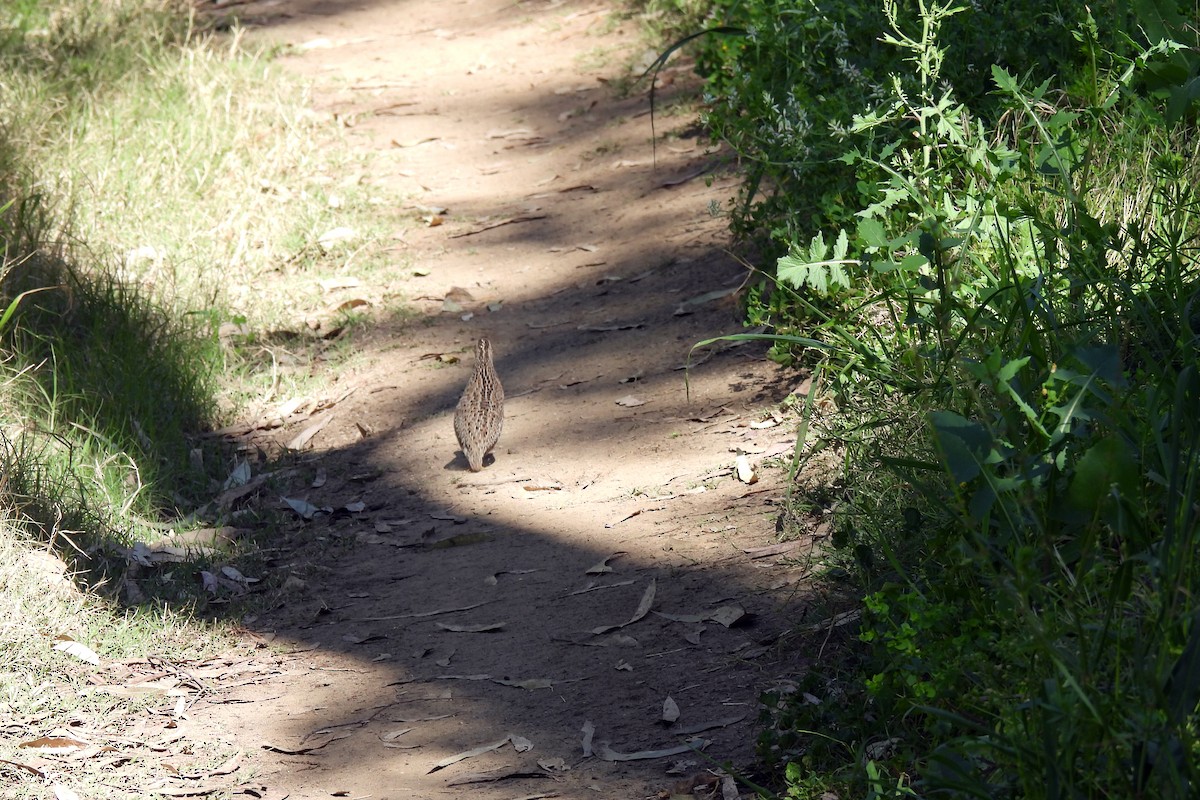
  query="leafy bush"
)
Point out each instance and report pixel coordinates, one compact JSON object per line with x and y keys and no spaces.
{"x":785,"y":81}
{"x":1006,"y":290}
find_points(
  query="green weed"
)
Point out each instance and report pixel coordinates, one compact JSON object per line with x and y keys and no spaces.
{"x":999,"y":280}
{"x":156,"y":185}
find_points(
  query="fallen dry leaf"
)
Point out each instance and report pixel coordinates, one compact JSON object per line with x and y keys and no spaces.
{"x":593,"y":587}
{"x":726,"y":616}
{"x":305,"y":436}
{"x":55,"y":744}
{"x":73,"y":648}
{"x":420,"y":614}
{"x":240,"y":475}
{"x":37,"y":773}
{"x":498,"y":224}
{"x":391,"y":736}
{"x":745,"y":472}
{"x":303,"y":508}
{"x":608,"y":328}
{"x":670,"y":710}
{"x":335,"y":236}
{"x":606,"y":753}
{"x":643,"y":608}
{"x":589,"y":730}
{"x":485,"y":627}
{"x":301,"y":750}
{"x":477,"y":751}
{"x":527,"y":683}
{"x":700,"y":727}
{"x":603,"y":567}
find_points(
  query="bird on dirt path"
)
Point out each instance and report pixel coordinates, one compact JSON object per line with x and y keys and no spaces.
{"x":479,"y":417}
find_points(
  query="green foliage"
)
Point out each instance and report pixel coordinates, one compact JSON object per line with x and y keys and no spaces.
{"x":106,"y":383}
{"x":786,"y":79}
{"x":149,"y":177}
{"x":1007,"y":319}
{"x":1169,"y":60}
{"x":88,"y":46}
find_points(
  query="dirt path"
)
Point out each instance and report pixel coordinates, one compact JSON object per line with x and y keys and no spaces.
{"x":455,"y":610}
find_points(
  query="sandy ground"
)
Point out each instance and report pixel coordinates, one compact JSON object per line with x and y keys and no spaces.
{"x":606,"y":586}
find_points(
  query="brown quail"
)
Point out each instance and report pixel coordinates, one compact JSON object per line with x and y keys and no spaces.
{"x":479,"y":417}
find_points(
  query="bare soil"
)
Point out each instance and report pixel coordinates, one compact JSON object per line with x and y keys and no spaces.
{"x":608,"y":558}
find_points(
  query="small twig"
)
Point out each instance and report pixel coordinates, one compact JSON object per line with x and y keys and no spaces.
{"x":501,"y":223}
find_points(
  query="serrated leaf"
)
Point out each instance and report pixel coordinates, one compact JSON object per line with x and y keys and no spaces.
{"x":871,"y":233}
{"x":841,"y":245}
{"x":1009,"y":370}
{"x":821,"y":275}
{"x":1004,"y":79}
{"x":817,"y":249}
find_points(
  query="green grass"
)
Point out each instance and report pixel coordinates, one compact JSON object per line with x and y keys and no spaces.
{"x":175,"y":181}
{"x":159,"y":187}
{"x":43,"y":689}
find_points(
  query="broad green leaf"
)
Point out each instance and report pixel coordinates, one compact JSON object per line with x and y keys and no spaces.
{"x":1103,"y":360}
{"x":964,"y":444}
{"x":841,"y":246}
{"x":871,"y":233}
{"x":1004,"y":79}
{"x":1183,"y":685}
{"x":823,"y":277}
{"x":817,"y":249}
{"x":817,"y":270}
{"x":1106,"y":463}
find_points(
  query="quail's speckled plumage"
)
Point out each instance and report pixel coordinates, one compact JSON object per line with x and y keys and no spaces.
{"x":479,"y":417}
